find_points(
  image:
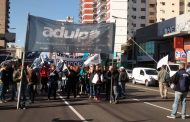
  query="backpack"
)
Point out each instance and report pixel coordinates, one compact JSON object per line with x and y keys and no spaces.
{"x":184,"y":81}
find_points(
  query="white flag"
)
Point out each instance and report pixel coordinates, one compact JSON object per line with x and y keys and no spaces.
{"x":64,"y":67}
{"x":163,"y":61}
{"x":93,"y":60}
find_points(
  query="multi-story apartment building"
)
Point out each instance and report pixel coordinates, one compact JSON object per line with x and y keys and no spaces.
{"x":4,"y":21}
{"x":93,"y":11}
{"x":117,"y":12}
{"x":169,"y":9}
{"x":88,"y":11}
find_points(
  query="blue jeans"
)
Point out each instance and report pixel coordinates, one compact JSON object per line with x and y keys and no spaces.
{"x":115,"y":92}
{"x":121,"y":88}
{"x":92,"y":90}
{"x":179,"y":96}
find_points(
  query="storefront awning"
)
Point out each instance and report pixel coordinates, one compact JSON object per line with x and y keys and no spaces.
{"x":178,"y":33}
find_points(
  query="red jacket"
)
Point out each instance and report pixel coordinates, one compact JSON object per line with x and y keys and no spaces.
{"x":44,"y":72}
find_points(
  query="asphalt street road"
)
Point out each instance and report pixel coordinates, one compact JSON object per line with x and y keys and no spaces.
{"x":143,"y":104}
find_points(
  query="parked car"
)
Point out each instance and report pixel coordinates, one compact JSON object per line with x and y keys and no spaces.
{"x":129,"y":73}
{"x":147,"y":76}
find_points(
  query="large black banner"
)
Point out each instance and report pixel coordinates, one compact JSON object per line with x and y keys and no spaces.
{"x":47,"y":35}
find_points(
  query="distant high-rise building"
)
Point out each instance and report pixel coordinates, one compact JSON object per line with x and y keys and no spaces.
{"x":88,"y":11}
{"x":4,"y":21}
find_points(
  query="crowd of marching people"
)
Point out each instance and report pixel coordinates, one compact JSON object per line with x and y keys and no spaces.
{"x":46,"y":80}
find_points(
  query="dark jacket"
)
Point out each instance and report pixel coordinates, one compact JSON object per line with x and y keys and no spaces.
{"x":71,"y":76}
{"x":5,"y":77}
{"x":53,"y":78}
{"x":115,"y":77}
{"x":123,"y":77}
{"x":32,"y":76}
{"x":182,"y":81}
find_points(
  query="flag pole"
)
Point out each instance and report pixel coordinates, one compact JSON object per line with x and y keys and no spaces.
{"x":22,"y":69}
{"x":111,"y":86}
{"x":20,"y":84}
{"x":111,"y":96}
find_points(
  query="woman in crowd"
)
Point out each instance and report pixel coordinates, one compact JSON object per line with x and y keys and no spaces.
{"x":52,"y":82}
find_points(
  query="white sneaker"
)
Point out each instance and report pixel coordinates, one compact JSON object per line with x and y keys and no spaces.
{"x":171,"y":117}
{"x":1,"y":101}
{"x":182,"y":117}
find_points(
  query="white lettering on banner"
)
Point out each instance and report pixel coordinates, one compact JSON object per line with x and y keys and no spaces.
{"x":69,"y":56}
{"x":63,"y":33}
{"x":76,"y":63}
{"x":70,"y":59}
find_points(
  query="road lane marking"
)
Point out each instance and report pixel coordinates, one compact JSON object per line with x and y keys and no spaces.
{"x":152,"y":89}
{"x":161,"y":107}
{"x":74,"y":110}
{"x":157,"y":106}
{"x":151,"y":103}
{"x":148,"y":89}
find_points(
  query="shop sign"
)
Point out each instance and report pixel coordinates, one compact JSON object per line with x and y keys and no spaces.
{"x":180,"y":55}
{"x":169,"y":29}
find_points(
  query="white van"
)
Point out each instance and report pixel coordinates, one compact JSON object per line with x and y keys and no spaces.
{"x":147,"y":76}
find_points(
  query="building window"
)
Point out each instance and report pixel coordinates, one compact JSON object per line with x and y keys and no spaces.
{"x":162,"y":19}
{"x":163,"y":3}
{"x":181,"y":3}
{"x":134,"y":9}
{"x":143,"y":1}
{"x":173,"y":11}
{"x":143,"y":17}
{"x":143,"y":9}
{"x":181,"y":12}
{"x":152,"y":5}
{"x":134,"y":25}
{"x":163,"y":11}
{"x":134,"y":1}
{"x":188,"y":4}
{"x":151,"y":21}
{"x":173,"y":4}
{"x":134,"y":17}
{"x":142,"y":25}
{"x":151,"y":13}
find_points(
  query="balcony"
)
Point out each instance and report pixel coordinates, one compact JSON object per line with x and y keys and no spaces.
{"x":101,"y":3}
{"x":152,"y":9}
{"x":152,"y":1}
{"x":101,"y":12}
{"x":152,"y":17}
{"x":94,"y":4}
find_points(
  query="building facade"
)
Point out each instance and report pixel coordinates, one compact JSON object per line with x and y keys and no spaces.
{"x":131,"y":15}
{"x":168,"y":9}
{"x":170,"y":37}
{"x":4,"y":21}
{"x":88,"y":11}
